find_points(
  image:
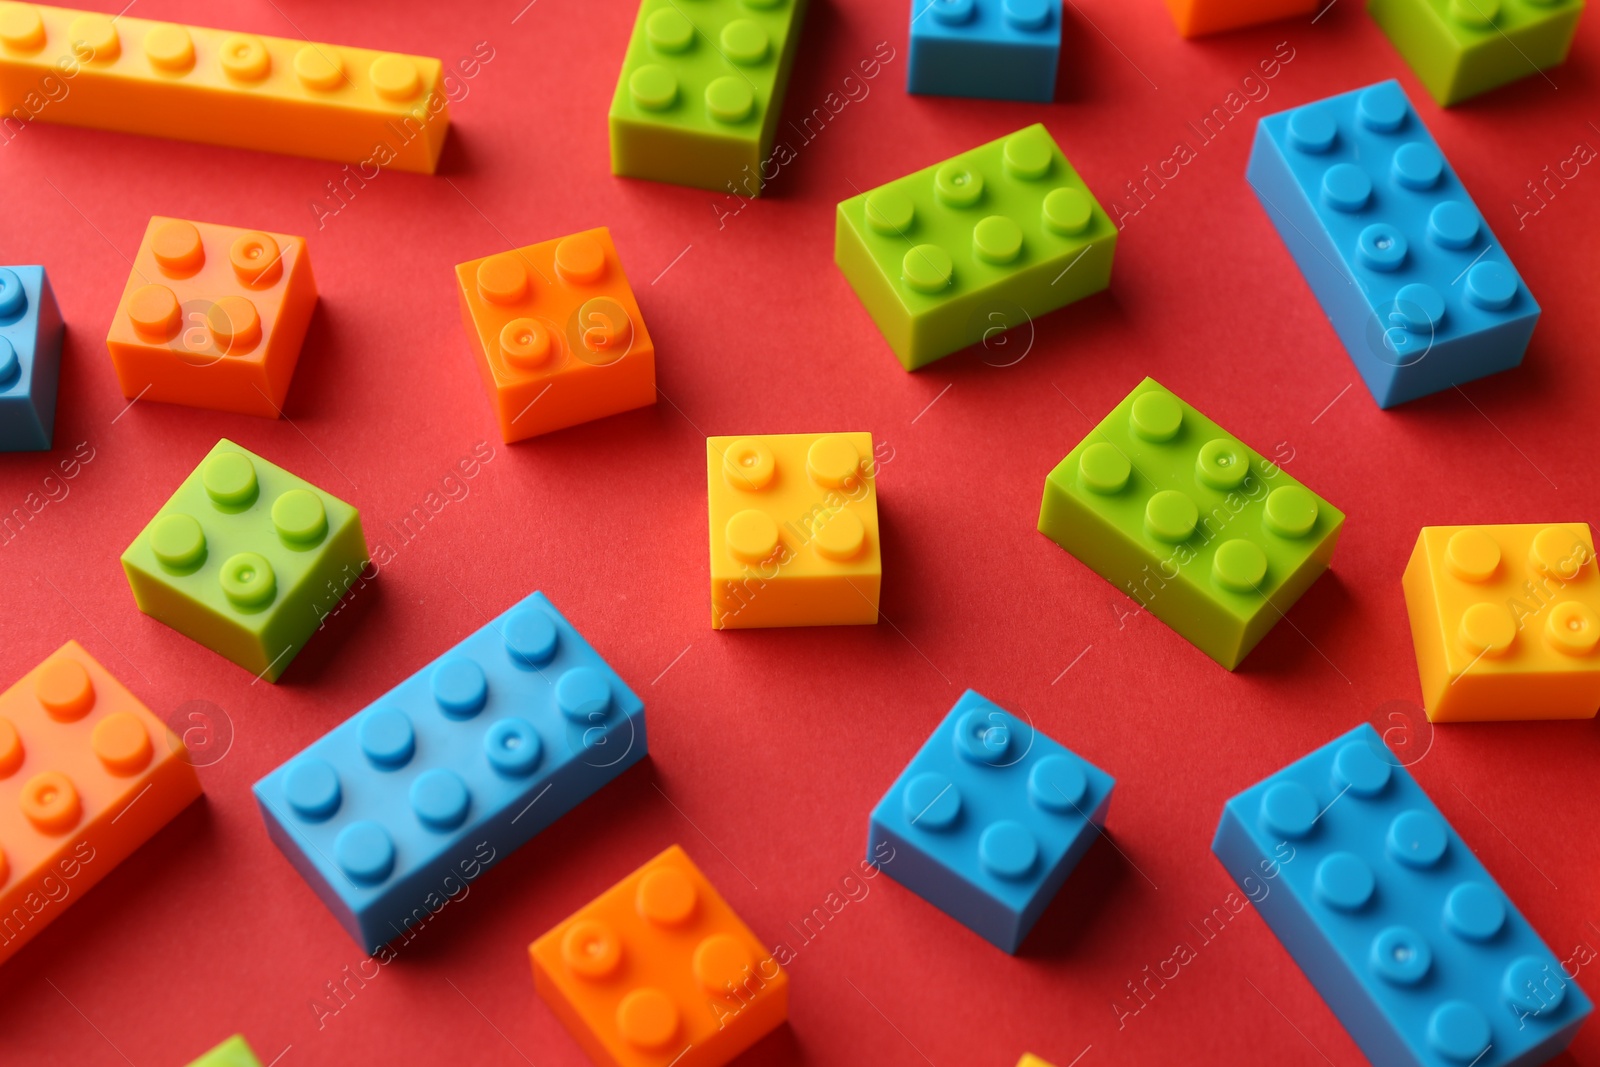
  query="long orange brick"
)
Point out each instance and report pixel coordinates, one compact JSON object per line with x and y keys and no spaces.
{"x":87,"y":775}
{"x":275,"y":94}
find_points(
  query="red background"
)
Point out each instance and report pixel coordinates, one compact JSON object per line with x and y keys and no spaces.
{"x":769,"y":747}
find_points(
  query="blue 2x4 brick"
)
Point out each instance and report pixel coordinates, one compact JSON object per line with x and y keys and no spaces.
{"x":991,"y":49}
{"x":30,"y":359}
{"x":1398,"y":926}
{"x":454,"y":768}
{"x":1405,"y":267}
{"x":987,"y":821}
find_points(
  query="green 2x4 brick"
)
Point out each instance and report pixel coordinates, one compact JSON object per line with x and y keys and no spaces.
{"x":1185,"y":518}
{"x":701,"y":87}
{"x":1460,"y":48}
{"x":963,"y":250}
{"x":246,"y":559}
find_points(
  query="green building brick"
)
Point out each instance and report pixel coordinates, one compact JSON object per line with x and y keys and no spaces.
{"x":246,"y":559}
{"x":961,"y":251}
{"x":233,"y":1052}
{"x":1169,"y":507}
{"x":701,"y":86}
{"x":1460,"y":48}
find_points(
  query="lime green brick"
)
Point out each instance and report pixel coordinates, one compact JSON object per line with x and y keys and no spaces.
{"x":233,"y":1052}
{"x":701,"y":87}
{"x":1217,"y":542}
{"x":963,"y":250}
{"x":246,"y":559}
{"x":1460,"y":48}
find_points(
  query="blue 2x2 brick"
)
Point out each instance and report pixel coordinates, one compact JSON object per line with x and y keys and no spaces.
{"x":988,"y":819}
{"x":30,"y":359}
{"x":991,"y":49}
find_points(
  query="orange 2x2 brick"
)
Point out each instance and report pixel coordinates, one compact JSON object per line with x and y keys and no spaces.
{"x":213,"y":317}
{"x":1506,"y":621}
{"x":1197,"y":17}
{"x":87,"y":775}
{"x":659,"y":971}
{"x":557,"y":334}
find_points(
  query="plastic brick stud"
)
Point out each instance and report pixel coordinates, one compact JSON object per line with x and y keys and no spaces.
{"x":1506,"y":621}
{"x":794,"y":530}
{"x":30,"y":359}
{"x":246,"y":559}
{"x":234,"y":1052}
{"x":994,"y":49}
{"x":87,"y":775}
{"x":1405,"y":936}
{"x":557,"y":334}
{"x":242,"y":90}
{"x":658,"y":971}
{"x":1197,"y":17}
{"x":393,"y":811}
{"x":701,"y":87}
{"x":1215,"y":540}
{"x":988,"y":819}
{"x":1460,"y":48}
{"x":213,"y":317}
{"x":1405,"y":267}
{"x":1030,"y":1060}
{"x":973,"y":246}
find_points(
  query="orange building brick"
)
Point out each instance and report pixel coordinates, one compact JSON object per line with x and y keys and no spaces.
{"x":558,"y":334}
{"x":87,"y":775}
{"x":274,"y":94}
{"x":1506,"y":621}
{"x":213,"y":317}
{"x":1197,"y":17}
{"x":658,"y":970}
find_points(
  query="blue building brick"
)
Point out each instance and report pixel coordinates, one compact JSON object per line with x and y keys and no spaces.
{"x":988,"y":820}
{"x":1405,"y":267}
{"x":394,"y":810}
{"x":1400,"y":929}
{"x":992,"y":49}
{"x":30,"y":359}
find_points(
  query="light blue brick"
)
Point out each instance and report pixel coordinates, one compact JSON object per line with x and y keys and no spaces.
{"x":992,"y":49}
{"x":1398,"y":926}
{"x":988,"y":820}
{"x":397,"y":808}
{"x":1405,"y":267}
{"x":30,"y":359}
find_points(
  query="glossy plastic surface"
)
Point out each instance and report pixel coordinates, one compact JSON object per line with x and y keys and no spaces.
{"x":794,"y":530}
{"x":981,"y":243}
{"x":213,"y":317}
{"x":991,"y":49}
{"x":395,"y":811}
{"x":1390,"y":915}
{"x":87,"y":775}
{"x":276,"y":94}
{"x":557,"y":334}
{"x":658,"y":971}
{"x":246,"y":559}
{"x":988,"y":819}
{"x":30,"y":359}
{"x":1506,"y":621}
{"x":1214,"y":539}
{"x":1406,"y":268}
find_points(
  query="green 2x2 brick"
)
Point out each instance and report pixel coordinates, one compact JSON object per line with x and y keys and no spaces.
{"x":1460,"y":48}
{"x":701,"y":87}
{"x":961,"y":251}
{"x":1185,"y":518}
{"x":246,"y":559}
